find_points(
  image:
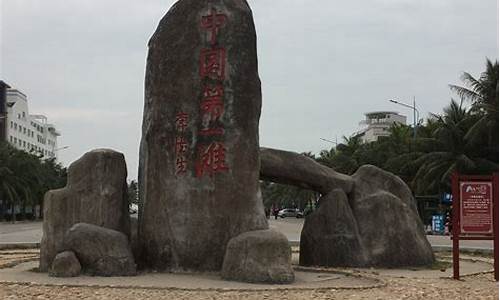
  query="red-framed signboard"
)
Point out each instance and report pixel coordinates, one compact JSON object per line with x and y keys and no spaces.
{"x":475,"y":213}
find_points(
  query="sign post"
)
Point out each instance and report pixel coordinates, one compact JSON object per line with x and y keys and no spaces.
{"x":475,"y":213}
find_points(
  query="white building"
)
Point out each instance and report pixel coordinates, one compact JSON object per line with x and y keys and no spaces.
{"x":31,"y":133}
{"x":377,"y":124}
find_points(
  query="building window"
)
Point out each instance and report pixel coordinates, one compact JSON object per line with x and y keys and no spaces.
{"x":11,"y":138}
{"x":24,"y":130}
{"x":15,"y":126}
{"x":19,"y":116}
{"x":11,"y":124}
{"x":15,"y":140}
{"x":24,"y":144}
{"x":24,"y":114}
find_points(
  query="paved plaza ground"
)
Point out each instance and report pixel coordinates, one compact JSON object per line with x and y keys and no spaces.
{"x":19,"y":280}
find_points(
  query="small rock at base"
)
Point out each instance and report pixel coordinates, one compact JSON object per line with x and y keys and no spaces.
{"x":102,"y":251}
{"x":65,"y":264}
{"x":261,"y":256}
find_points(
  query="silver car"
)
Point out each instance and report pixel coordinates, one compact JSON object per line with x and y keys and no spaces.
{"x":290,"y":212}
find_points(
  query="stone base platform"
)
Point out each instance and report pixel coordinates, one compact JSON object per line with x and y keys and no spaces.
{"x":19,"y":267}
{"x":24,"y":273}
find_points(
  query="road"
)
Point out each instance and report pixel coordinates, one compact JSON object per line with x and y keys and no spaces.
{"x":31,"y":232}
{"x":20,"y":232}
{"x":292,"y":227}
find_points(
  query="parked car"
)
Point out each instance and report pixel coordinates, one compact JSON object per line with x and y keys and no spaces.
{"x":290,"y":212}
{"x":133,"y":208}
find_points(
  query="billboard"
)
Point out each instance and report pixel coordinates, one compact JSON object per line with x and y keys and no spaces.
{"x":476,"y":209}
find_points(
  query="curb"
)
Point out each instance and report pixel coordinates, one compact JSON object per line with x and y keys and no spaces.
{"x":446,"y":248}
{"x":10,"y":246}
{"x":435,"y":248}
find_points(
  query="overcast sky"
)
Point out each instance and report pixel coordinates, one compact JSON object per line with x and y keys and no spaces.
{"x":322,"y":63}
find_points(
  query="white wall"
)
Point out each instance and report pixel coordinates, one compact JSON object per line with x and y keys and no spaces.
{"x":24,"y":131}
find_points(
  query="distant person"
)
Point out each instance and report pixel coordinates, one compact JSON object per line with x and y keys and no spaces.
{"x":275,"y":212}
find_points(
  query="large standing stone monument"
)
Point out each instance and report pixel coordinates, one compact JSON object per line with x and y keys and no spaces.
{"x":199,"y":160}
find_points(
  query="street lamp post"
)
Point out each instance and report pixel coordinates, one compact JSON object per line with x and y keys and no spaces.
{"x":62,"y":148}
{"x":326,"y":140}
{"x":416,"y":114}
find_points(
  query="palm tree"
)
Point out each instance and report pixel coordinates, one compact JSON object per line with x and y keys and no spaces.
{"x":326,"y":157}
{"x":344,"y":160}
{"x":482,"y":93}
{"x":448,"y":151}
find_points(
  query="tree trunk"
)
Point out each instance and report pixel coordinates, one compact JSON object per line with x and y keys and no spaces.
{"x":13,"y":210}
{"x":2,"y":213}
{"x":23,"y":210}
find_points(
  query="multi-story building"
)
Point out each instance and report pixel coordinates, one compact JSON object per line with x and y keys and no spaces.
{"x":31,"y":133}
{"x":377,"y":124}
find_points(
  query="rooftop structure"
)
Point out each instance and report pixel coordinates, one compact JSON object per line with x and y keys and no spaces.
{"x":377,"y":124}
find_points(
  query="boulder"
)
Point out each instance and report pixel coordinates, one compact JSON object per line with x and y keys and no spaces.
{"x":101,"y":251}
{"x":134,"y":239}
{"x":391,"y":231}
{"x":302,"y":171}
{"x":370,"y":179}
{"x":199,"y":155}
{"x":65,"y":264}
{"x":330,"y":234}
{"x":262,"y":256}
{"x":96,"y":193}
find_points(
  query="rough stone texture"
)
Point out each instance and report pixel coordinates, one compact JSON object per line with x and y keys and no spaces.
{"x":187,"y":219}
{"x":330,"y":234}
{"x":134,"y":239}
{"x":391,"y":231}
{"x":370,"y":180}
{"x":258,"y":256}
{"x":65,"y":264}
{"x":101,"y":251}
{"x":96,"y":193}
{"x":299,"y":170}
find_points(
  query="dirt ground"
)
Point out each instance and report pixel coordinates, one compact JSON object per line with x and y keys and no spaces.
{"x":480,"y":286}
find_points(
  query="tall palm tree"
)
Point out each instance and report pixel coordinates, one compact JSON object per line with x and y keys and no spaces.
{"x":450,"y":152}
{"x":482,"y":93}
{"x":326,"y":157}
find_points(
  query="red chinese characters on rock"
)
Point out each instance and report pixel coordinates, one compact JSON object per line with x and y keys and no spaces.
{"x":211,"y":159}
{"x":181,"y":145}
{"x":213,"y":63}
{"x":212,"y":104}
{"x":181,"y":122}
{"x":212,"y":108}
{"x":212,"y":23}
{"x":180,"y":165}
